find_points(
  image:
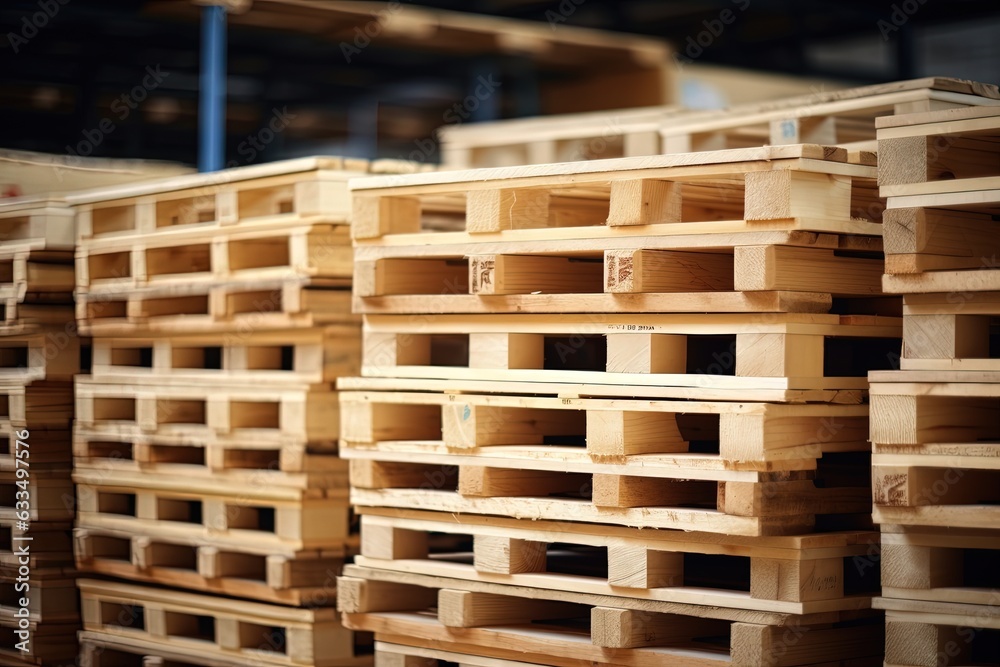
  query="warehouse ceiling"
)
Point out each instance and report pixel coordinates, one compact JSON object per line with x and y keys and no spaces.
{"x":69,"y":65}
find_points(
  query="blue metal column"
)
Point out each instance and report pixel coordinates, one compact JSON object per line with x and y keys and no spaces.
{"x":212,"y":96}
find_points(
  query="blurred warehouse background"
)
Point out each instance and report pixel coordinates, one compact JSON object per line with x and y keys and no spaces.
{"x":120,"y":78}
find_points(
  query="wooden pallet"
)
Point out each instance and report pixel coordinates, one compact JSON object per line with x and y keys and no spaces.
{"x":567,"y":433}
{"x":798,"y":575}
{"x":17,"y":318}
{"x":941,"y":174}
{"x":710,"y":357}
{"x":37,"y":276}
{"x":935,"y":453}
{"x":554,"y":138}
{"x":228,"y":308}
{"x":230,"y":254}
{"x":42,"y":355}
{"x":231,"y":461}
{"x":307,"y":356}
{"x":840,"y":117}
{"x":742,"y":271}
{"x":35,"y":223}
{"x":307,"y":190}
{"x":801,"y":187}
{"x":39,"y":405}
{"x":398,"y":655}
{"x":102,"y":650}
{"x":307,"y":580}
{"x":783,"y":503}
{"x":291,"y":466}
{"x":255,"y":516}
{"x":504,"y":621}
{"x":923,"y":634}
{"x":50,"y":645}
{"x":951,"y":332}
{"x":940,"y":565}
{"x":563,"y":646}
{"x":170,"y":623}
{"x":50,"y":600}
{"x":214,"y":413}
{"x":405,"y":652}
{"x":51,"y":551}
{"x":295,"y":464}
{"x":47,"y":449}
{"x":51,"y":497}
{"x":845,"y":117}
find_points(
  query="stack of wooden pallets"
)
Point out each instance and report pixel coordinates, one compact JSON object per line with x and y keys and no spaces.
{"x":206,"y":435}
{"x":39,"y":354}
{"x":839,"y":117}
{"x":936,"y":422}
{"x":613,"y":412}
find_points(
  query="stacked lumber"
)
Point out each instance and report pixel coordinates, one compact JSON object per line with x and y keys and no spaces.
{"x":936,"y":422}
{"x":39,"y":354}
{"x":205,"y":443}
{"x":840,"y":117}
{"x":613,"y":412}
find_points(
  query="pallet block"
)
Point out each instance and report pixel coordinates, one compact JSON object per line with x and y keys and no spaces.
{"x":696,"y":356}
{"x":506,"y":622}
{"x":939,"y":565}
{"x":950,"y":332}
{"x":922,"y":634}
{"x":803,"y":574}
{"x":159,"y":621}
